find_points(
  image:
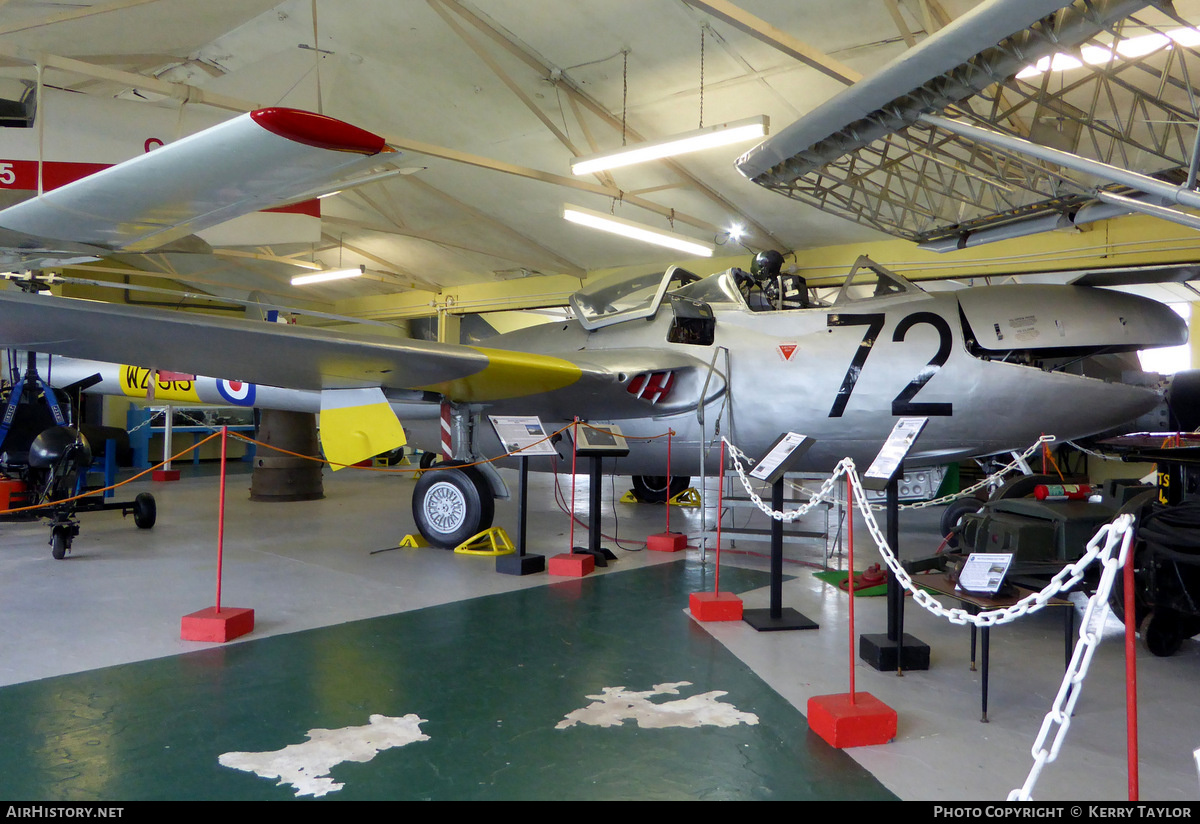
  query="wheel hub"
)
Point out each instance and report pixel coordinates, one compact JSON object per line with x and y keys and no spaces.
{"x":445,"y":507}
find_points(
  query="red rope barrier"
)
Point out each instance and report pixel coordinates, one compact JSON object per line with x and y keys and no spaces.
{"x":720,"y":498}
{"x":670,"y":432}
{"x":850,"y":561}
{"x":574,"y":443}
{"x":221,"y":515}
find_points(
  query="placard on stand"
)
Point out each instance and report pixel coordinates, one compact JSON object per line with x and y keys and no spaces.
{"x":893,"y":651}
{"x":524,"y":436}
{"x":779,"y":459}
{"x":597,"y":443}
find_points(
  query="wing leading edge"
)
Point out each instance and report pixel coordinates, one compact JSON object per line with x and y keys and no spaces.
{"x":598,"y":383}
{"x":256,"y":160}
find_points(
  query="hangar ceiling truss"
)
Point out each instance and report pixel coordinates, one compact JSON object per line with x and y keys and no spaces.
{"x":1129,"y":99}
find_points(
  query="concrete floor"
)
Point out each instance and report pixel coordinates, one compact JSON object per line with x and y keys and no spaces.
{"x":118,"y":599}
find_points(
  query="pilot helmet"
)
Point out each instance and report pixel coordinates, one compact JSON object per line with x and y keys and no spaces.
{"x":766,"y":264}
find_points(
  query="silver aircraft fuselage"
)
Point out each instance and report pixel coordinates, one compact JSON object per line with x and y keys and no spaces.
{"x":843,"y":374}
{"x":979,"y":363}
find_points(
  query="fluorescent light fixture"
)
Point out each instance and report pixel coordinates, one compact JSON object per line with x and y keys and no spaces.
{"x":328,"y":274}
{"x":637,"y":231}
{"x":721,"y":134}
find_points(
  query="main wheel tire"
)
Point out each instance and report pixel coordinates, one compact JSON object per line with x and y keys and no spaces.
{"x":952,"y":517}
{"x":452,"y":504}
{"x":428,"y":459}
{"x":145,"y":511}
{"x":658,"y":489}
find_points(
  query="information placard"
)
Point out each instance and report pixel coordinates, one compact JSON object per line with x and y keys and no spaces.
{"x":895,"y":449}
{"x":522,"y":434}
{"x":596,"y":441}
{"x":779,"y":458}
{"x":984,"y":572}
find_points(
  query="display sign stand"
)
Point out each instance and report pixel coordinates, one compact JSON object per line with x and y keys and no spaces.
{"x":522,"y":436}
{"x":596,"y":443}
{"x":521,"y":563}
{"x":893,"y":651}
{"x":785,"y":453}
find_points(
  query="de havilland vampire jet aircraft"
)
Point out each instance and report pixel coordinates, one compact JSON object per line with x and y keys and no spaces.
{"x":749,"y":354}
{"x":992,"y":367}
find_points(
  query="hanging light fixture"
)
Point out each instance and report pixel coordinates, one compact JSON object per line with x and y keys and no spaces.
{"x":704,"y":137}
{"x":636,"y":231}
{"x":721,"y":134}
{"x":328,"y":274}
{"x":323,"y":275}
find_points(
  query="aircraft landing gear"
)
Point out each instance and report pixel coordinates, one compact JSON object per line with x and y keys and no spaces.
{"x":658,"y":489}
{"x":450,"y":505}
{"x":145,"y":511}
{"x":61,"y":535}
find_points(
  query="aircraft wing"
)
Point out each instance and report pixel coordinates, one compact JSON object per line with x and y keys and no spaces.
{"x":874,"y":154}
{"x":607,"y":385}
{"x":257,"y":160}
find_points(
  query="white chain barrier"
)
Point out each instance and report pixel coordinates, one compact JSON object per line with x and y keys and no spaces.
{"x":1110,"y":546}
{"x":991,"y":480}
{"x":1117,"y":538}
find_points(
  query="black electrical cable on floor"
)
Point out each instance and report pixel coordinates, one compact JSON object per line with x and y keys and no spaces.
{"x":1173,"y":532}
{"x":612,"y":480}
{"x":560,"y":499}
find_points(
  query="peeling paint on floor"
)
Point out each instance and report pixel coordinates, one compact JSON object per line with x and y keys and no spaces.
{"x":306,"y":766}
{"x":617,"y":705}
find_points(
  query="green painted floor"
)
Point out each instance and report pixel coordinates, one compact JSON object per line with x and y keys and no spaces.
{"x":492,"y":676}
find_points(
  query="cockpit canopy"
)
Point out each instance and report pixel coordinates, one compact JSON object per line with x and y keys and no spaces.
{"x":623,"y":297}
{"x":868,"y":279}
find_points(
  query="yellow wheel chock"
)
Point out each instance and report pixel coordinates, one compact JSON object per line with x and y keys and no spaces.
{"x":382,"y":462}
{"x":494,"y":541}
{"x":414,"y":541}
{"x":688,"y":497}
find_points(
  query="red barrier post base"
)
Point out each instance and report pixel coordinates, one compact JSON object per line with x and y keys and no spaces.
{"x":211,"y":625}
{"x":715,"y":606}
{"x":843,"y":724}
{"x":571,"y":564}
{"x":666,"y":542}
{"x":165,"y":475}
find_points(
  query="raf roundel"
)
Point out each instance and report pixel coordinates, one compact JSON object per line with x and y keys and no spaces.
{"x":236,"y":392}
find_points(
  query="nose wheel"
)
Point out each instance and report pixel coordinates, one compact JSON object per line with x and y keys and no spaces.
{"x":61,"y":535}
